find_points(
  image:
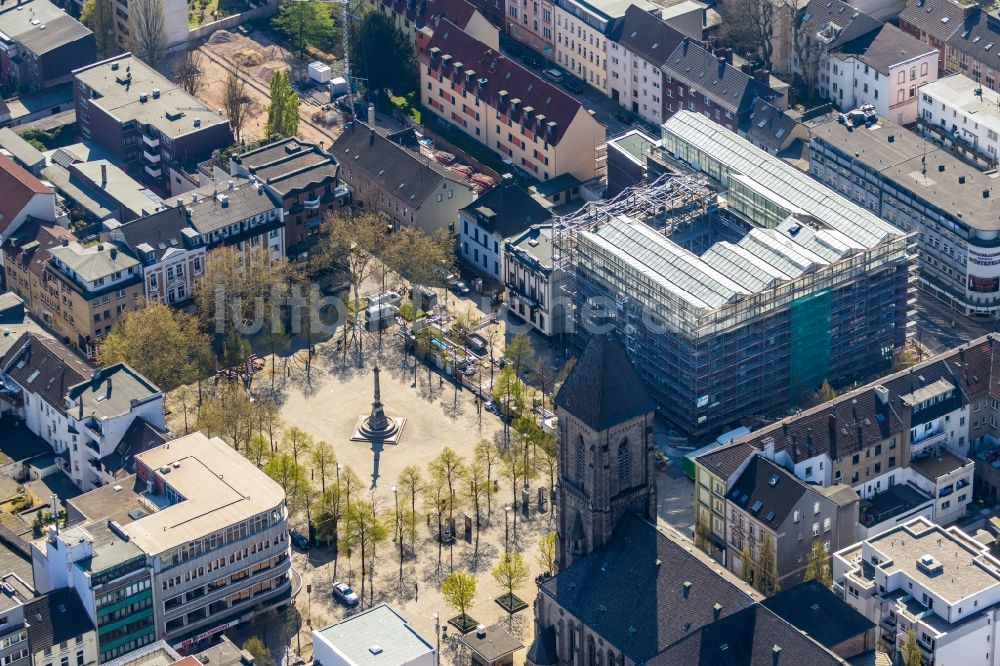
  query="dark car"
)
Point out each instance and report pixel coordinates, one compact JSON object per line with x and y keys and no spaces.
{"x":299,"y":540}
{"x":574,"y":86}
{"x":460,"y":288}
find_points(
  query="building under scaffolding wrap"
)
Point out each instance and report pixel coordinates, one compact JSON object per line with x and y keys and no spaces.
{"x":737,"y":283}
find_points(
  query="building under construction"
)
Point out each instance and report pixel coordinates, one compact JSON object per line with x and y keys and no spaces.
{"x":737,"y":283}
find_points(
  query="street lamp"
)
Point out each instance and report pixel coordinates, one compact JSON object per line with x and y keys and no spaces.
{"x":437,"y":634}
{"x":399,"y":536}
{"x":506,"y":532}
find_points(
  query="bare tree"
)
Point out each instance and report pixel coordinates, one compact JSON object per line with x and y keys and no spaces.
{"x":148,"y":31}
{"x":188,"y":74}
{"x":749,"y":26}
{"x":99,"y":16}
{"x":236,"y":103}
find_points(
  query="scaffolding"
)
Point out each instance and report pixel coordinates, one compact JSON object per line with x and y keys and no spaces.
{"x":737,"y":338}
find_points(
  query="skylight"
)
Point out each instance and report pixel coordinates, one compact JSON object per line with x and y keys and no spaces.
{"x":757,"y":506}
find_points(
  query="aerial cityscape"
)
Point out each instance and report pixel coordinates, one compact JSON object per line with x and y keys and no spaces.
{"x":499,"y":332}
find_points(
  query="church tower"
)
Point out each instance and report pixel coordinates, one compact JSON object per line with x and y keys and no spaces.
{"x":605,"y":453}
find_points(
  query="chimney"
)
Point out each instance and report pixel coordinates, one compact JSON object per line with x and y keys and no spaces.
{"x":114,"y":253}
{"x":722,"y":66}
{"x":65,"y":242}
{"x":769,"y":448}
{"x":371,"y":138}
{"x":107,"y":392}
{"x":883,"y":394}
{"x":718,"y":610}
{"x":231,"y":185}
{"x":480,"y":631}
{"x":775,"y":654}
{"x":180,"y":202}
{"x":104,"y":174}
{"x":508,"y":180}
{"x":687,"y":588}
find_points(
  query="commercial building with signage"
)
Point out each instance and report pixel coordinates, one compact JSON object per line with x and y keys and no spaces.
{"x":193,"y":544}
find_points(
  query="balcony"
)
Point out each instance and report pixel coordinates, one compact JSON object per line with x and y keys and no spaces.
{"x":151,"y":157}
{"x":311,"y":204}
{"x":153,"y":171}
{"x":150,"y":141}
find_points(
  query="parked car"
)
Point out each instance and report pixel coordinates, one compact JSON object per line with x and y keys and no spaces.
{"x":554,"y":74}
{"x":460,"y":288}
{"x":573,"y":85}
{"x":299,"y":540}
{"x":343,"y":593}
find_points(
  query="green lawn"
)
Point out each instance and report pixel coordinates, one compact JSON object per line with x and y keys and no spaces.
{"x":199,"y":13}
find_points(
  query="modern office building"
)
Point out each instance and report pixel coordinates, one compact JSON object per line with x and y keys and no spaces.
{"x":194,"y":543}
{"x":948,"y":205}
{"x":938,"y":582}
{"x":746,"y":290}
{"x":144,"y":119}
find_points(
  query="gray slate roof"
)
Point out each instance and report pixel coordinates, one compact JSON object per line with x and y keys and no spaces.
{"x":515,"y":210}
{"x":44,"y":366}
{"x":772,"y":486}
{"x":603,"y":388}
{"x":752,"y":637}
{"x":405,"y":173}
{"x":815,"y":610}
{"x":290,"y":165}
{"x":823,"y":14}
{"x":938,"y":18}
{"x":647,"y":36}
{"x":889,"y":46}
{"x":55,"y":618}
{"x":631,"y":592}
{"x":724,"y":84}
{"x":978,"y":37}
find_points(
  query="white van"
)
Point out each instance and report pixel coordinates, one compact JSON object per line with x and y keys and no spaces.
{"x":385,"y":298}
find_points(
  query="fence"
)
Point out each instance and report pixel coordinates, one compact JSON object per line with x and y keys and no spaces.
{"x":229,"y":22}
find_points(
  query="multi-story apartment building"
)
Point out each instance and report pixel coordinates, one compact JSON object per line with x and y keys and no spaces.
{"x":171,"y":245}
{"x":40,"y":45}
{"x":405,"y":186}
{"x":485,"y":225}
{"x":85,"y":416}
{"x":25,"y":255}
{"x":532,"y":23}
{"x":971,"y":48}
{"x":86,"y":291}
{"x":143,"y":118}
{"x":24,"y":197}
{"x":59,"y":630}
{"x":697,"y":80}
{"x":582,"y":31}
{"x":17,"y":591}
{"x":933,"y":22}
{"x":824,"y":26}
{"x":903,"y":443}
{"x":937,"y":582}
{"x":532,"y":124}
{"x":962,"y":115}
{"x":303,"y":177}
{"x":419,"y":18}
{"x":640,"y":45}
{"x":883,"y":68}
{"x":195,"y":543}
{"x":910,"y":182}
{"x":768,"y":503}
{"x":532,"y":282}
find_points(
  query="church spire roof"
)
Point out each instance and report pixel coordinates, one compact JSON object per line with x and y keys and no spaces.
{"x":603,"y":388}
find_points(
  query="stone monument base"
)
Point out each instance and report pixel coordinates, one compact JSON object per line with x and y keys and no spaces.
{"x":362,"y":433}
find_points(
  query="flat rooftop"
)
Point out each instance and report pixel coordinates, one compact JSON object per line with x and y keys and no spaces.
{"x":975,"y":99}
{"x":933,"y":467}
{"x":120,"y":83}
{"x":219,"y":488}
{"x":114,"y":501}
{"x":968,"y":568}
{"x":919,"y":166}
{"x":39,"y":24}
{"x":893,"y":502}
{"x":379,"y":626}
{"x":635,"y":144}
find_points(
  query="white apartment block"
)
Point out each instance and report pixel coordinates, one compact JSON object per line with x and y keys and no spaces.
{"x":941,"y":583}
{"x":963,"y":115}
{"x":885,"y":74}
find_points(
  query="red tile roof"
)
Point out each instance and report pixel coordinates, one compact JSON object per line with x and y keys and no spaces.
{"x":17,"y":187}
{"x":21,"y":248}
{"x":422,"y":12}
{"x":493,"y":74}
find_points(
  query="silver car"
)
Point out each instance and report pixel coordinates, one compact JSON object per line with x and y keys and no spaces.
{"x":344,"y":594}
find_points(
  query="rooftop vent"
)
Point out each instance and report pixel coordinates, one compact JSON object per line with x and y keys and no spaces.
{"x":773,"y":481}
{"x":480,"y":631}
{"x":143,"y":98}
{"x":156,"y":93}
{"x":197,"y":122}
{"x":929,"y":565}
{"x":375,"y":649}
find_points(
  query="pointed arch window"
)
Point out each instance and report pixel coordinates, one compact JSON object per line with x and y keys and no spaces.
{"x":581,"y":460}
{"x":624,"y":462}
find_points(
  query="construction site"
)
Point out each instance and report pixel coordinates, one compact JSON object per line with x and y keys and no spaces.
{"x":737,"y":283}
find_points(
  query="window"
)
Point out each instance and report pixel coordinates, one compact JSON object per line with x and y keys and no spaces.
{"x":624,"y":471}
{"x":795,"y":517}
{"x":827,"y":524}
{"x":815,"y":529}
{"x":815,"y":508}
{"x":581,"y":460}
